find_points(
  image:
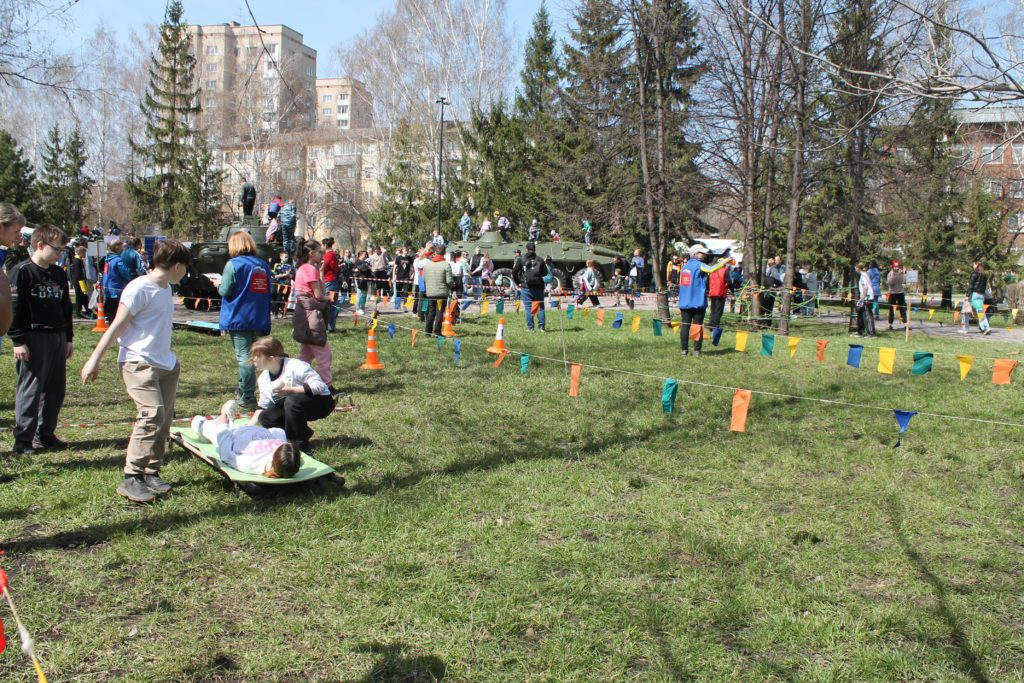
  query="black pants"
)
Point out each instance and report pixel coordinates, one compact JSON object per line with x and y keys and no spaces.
{"x":435,"y":314}
{"x":110,"y":305}
{"x":897,"y":301}
{"x":717,"y":309}
{"x":767,"y":304}
{"x":294,"y":414}
{"x":594,"y":301}
{"x":695,"y":316}
{"x":247,"y":206}
{"x":81,"y":302}
{"x":402,"y":288}
{"x":418,"y":305}
{"x":42,"y":383}
{"x":866,"y":319}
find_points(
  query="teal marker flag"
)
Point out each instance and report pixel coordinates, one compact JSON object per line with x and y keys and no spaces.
{"x":423,"y":305}
{"x":569,"y":311}
{"x":524,"y":362}
{"x":458,"y":350}
{"x":500,"y":308}
{"x":656,"y":324}
{"x":853,"y":357}
{"x":767,"y":344}
{"x":668,"y":395}
{"x":922,"y":362}
{"x":440,"y":342}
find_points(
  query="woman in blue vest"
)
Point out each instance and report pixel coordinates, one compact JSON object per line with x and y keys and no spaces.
{"x":245,"y":308}
{"x":693,"y":295}
{"x":115,"y":279}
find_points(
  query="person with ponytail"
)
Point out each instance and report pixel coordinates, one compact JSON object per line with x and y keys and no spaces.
{"x":309,"y":327}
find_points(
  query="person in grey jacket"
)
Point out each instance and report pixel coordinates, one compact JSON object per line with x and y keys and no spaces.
{"x":894,"y":282}
{"x":438,"y":281}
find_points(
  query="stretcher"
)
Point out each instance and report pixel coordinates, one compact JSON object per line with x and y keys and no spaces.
{"x":201,"y":326}
{"x":310,"y":468}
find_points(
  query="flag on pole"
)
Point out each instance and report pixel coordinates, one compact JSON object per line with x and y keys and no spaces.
{"x":965,"y":366}
{"x":501,"y":357}
{"x":740,"y":407}
{"x":574,"y":379}
{"x":1002,"y":369}
{"x":767,"y":344}
{"x":535,"y":307}
{"x":440,"y":342}
{"x":668,"y":395}
{"x":599,"y":316}
{"x":922,"y":362}
{"x":408,"y":303}
{"x":822,"y":345}
{"x":741,"y":340}
{"x":886,"y":360}
{"x":519,"y":304}
{"x":853,"y":357}
{"x":931,"y":313}
{"x":570,"y":311}
{"x":484,"y":306}
{"x":499,"y":308}
{"x":793,"y":343}
{"x":696,"y":332}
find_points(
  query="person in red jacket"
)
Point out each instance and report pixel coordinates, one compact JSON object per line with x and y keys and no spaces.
{"x":718,"y":288}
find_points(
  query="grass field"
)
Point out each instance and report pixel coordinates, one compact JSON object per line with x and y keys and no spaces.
{"x":495,"y":529}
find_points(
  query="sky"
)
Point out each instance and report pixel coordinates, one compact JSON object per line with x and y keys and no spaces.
{"x":324,"y":24}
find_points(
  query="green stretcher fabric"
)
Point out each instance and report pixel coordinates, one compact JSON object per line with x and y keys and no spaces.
{"x":311,"y":467}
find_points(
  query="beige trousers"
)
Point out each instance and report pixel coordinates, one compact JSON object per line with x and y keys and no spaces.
{"x":153,"y":391}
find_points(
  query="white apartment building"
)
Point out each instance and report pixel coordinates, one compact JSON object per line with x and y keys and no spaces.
{"x":343,"y":103}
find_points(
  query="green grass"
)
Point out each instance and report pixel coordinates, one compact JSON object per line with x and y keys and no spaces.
{"x":496,"y":529}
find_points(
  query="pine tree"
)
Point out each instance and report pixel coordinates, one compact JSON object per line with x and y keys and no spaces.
{"x":53,"y":185}
{"x":18,"y":180}
{"x":199,"y":206}
{"x":169,"y":108}
{"x":981,"y":232}
{"x":78,"y":184}
{"x":499,"y":148}
{"x":540,"y":93}
{"x":406,"y":210}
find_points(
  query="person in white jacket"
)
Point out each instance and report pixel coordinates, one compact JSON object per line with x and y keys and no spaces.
{"x":291,"y":393}
{"x":865,"y":304}
{"x":588,"y":285}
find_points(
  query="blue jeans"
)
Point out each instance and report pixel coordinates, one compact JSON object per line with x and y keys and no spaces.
{"x":333,"y":306}
{"x":241,"y":341}
{"x":528,"y":297}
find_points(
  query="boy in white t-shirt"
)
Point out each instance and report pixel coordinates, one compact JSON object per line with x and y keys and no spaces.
{"x":149,"y":368}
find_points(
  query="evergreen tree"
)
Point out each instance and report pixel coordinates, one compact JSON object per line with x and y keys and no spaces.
{"x":498,"y":145}
{"x":981,"y":232}
{"x":169,"y":108}
{"x":53,"y":185}
{"x":78,"y":183}
{"x":406,"y":210}
{"x":540,"y":93}
{"x":18,"y":180}
{"x":199,"y":205}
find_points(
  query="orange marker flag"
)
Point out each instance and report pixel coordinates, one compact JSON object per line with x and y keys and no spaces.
{"x":574,"y":379}
{"x":501,"y":357}
{"x":535,"y":307}
{"x":822,"y":343}
{"x":413,"y":344}
{"x":696,"y":332}
{"x":965,"y":366}
{"x":740,"y":406}
{"x":1001,"y":370}
{"x":600,"y":316}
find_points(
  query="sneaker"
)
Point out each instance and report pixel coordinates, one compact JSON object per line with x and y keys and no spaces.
{"x":684,"y":353}
{"x":360,"y":312}
{"x":962,"y":331}
{"x":696,"y":352}
{"x":155,"y":484}
{"x":23,"y":449}
{"x":988,"y":331}
{"x":304,"y":446}
{"x":230,"y":409}
{"x":50,"y":444}
{"x":248,"y":405}
{"x":135,"y":490}
{"x":541,"y":329}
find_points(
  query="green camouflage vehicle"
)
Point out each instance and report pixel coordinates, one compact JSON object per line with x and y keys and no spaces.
{"x":209,"y":258}
{"x":568,"y":259}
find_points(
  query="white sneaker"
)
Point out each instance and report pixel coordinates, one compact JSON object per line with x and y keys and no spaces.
{"x":197,"y":427}
{"x":360,"y":312}
{"x":230,"y":409}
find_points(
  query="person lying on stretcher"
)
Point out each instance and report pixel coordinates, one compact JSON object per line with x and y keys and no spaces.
{"x":249,"y":448}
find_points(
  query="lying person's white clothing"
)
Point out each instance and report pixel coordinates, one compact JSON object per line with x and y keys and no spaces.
{"x":246,"y":448}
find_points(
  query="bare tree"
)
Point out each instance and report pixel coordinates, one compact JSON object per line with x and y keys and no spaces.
{"x":28,"y":55}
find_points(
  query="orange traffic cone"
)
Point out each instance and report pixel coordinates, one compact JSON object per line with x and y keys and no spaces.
{"x":101,"y":318}
{"x":446,"y":324}
{"x":498,"y":347}
{"x":372,"y":361}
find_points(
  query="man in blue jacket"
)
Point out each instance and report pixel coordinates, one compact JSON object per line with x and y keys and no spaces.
{"x":693,"y":295}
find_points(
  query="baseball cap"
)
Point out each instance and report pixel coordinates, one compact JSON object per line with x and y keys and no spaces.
{"x":698,"y":249}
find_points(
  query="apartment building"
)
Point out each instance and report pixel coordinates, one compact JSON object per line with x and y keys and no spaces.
{"x":253,"y":80}
{"x":991,"y":143}
{"x":343,"y":103}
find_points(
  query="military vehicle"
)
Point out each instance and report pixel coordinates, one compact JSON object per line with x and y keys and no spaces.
{"x":209,"y":258}
{"x":568,"y":259}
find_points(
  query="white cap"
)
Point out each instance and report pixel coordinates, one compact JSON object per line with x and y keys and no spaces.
{"x":698,"y":249}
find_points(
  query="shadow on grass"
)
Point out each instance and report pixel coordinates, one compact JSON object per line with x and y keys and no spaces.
{"x":967,"y":659}
{"x":397,"y":663}
{"x":114,"y":461}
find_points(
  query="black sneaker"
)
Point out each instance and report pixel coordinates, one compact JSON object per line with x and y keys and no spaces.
{"x":155,"y":484}
{"x":304,"y":446}
{"x":135,"y":490}
{"x":51,"y":444}
{"x":23,"y":449}
{"x":248,"y":405}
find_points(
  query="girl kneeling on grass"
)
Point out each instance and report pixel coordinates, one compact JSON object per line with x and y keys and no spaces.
{"x":291,"y":393}
{"x":249,"y":448}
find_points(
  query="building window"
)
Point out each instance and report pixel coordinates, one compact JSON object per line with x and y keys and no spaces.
{"x":343,"y":97}
{"x":272,"y":48}
{"x":211,"y":102}
{"x":1015,"y":222}
{"x":211,"y":67}
{"x":268,"y":65}
{"x":991,"y":154}
{"x":211,"y":85}
{"x":995,"y":188}
{"x":1018,"y":154}
{"x":211,"y":49}
{"x":1017,"y":189}
{"x":238,"y":51}
{"x":327,"y":111}
{"x":328,"y":98}
{"x":343,"y":109}
{"x":309,"y":71}
{"x":903,"y":154}
{"x":343,"y":123}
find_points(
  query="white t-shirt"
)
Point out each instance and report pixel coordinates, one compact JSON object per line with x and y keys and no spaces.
{"x":148,"y":338}
{"x":294,"y":373}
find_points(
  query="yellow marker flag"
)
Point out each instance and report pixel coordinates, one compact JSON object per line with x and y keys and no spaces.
{"x":586,"y":312}
{"x":484,"y":306}
{"x":793,"y":343}
{"x":636,"y":324}
{"x":741,"y":340}
{"x":965,"y":366}
{"x":352,"y":300}
{"x":1013,"y":313}
{"x":676,"y":325}
{"x":518,"y":304}
{"x":931,"y":313}
{"x":886,"y":360}
{"x":408,"y":303}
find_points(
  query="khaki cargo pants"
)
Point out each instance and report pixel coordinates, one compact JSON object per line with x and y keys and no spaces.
{"x":153,"y":391}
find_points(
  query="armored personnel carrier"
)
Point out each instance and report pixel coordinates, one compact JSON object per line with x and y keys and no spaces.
{"x":568,"y":259}
{"x":209,"y":258}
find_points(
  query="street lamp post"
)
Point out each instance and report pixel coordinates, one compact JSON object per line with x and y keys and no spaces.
{"x":440,"y":158}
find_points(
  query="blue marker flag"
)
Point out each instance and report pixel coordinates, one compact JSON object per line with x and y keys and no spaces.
{"x":458,"y":350}
{"x":668,"y":395}
{"x":903,"y":418}
{"x":391,"y":330}
{"x":853,"y":357}
{"x":524,"y":362}
{"x":716,"y":336}
{"x":554,"y":303}
{"x":618,"y":321}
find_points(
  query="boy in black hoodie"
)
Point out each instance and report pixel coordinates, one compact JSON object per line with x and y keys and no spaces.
{"x":41,"y":333}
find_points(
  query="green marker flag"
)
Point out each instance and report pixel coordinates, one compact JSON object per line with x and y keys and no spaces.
{"x":500,"y":308}
{"x":922,"y":362}
{"x":440,"y":342}
{"x":668,"y":395}
{"x":569,"y":311}
{"x":656,"y":324}
{"x":767,"y":344}
{"x":524,"y":362}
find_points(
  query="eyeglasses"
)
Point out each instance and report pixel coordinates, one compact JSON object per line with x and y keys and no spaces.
{"x":54,"y":247}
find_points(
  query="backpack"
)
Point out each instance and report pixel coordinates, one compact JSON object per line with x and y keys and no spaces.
{"x":533,"y":272}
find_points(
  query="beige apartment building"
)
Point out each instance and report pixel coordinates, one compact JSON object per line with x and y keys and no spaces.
{"x":249,"y":86}
{"x":343,"y":103}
